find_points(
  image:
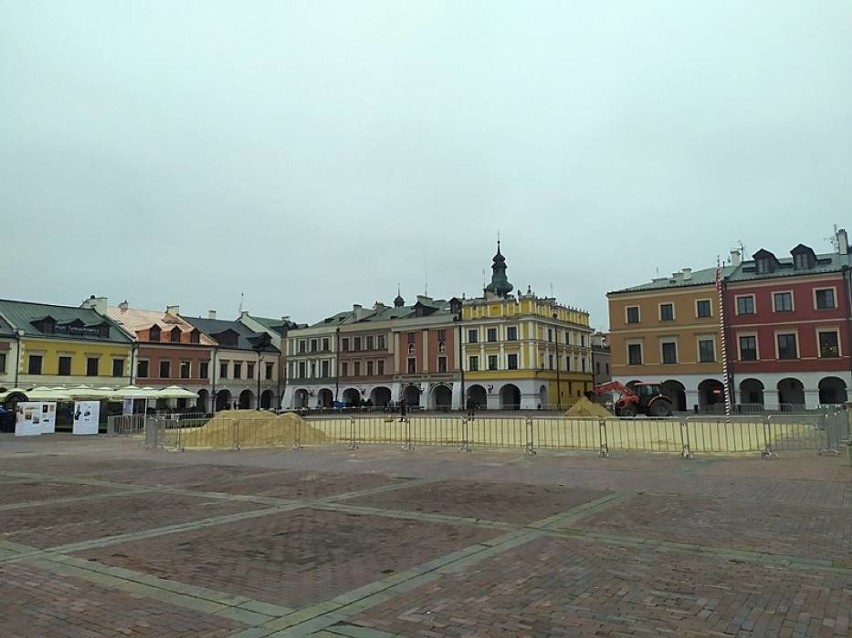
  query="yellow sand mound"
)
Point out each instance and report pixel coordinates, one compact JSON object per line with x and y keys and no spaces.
{"x":252,"y":428}
{"x":584,"y":407}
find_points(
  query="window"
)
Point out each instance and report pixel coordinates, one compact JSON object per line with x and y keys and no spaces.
{"x":223,"y":370}
{"x":175,"y":335}
{"x":825,"y":299}
{"x":706,"y":350}
{"x":64,"y":366}
{"x":250,"y":370}
{"x":703,"y":308}
{"x":303,"y":370}
{"x":492,"y":361}
{"x":787,"y":346}
{"x":442,"y":335}
{"x":345,"y":344}
{"x":550,"y":362}
{"x":356,"y":369}
{"x":669,"y":352}
{"x":92,"y":364}
{"x":782,"y":302}
{"x":204,"y":370}
{"x":369,"y":368}
{"x":582,"y":341}
{"x":270,"y":368}
{"x":606,"y":368}
{"x":512,"y":333}
{"x":370,"y":342}
{"x":582,"y":364}
{"x":748,"y":348}
{"x":632,"y":314}
{"x":357,"y":344}
{"x":598,"y":368}
{"x":2,"y":363}
{"x":165,"y":369}
{"x":118,"y":367}
{"x":666,"y":312}
{"x":442,"y":364}
{"x":512,"y":362}
{"x":745,"y":305}
{"x":829,"y":345}
{"x":380,"y":367}
{"x":194,"y":337}
{"x":324,"y":370}
{"x":303,"y":346}
{"x":412,"y":365}
{"x":491,"y":335}
{"x":442,"y":346}
{"x":411,"y":337}
{"x":380,"y":342}
{"x":634,"y":354}
{"x":313,"y":345}
{"x":185,"y":369}
{"x":568,"y":364}
{"x":325,"y":344}
{"x":550,"y":335}
{"x":473,"y":364}
{"x":142,"y":369}
{"x":472,"y":336}
{"x":344,"y":369}
{"x":238,"y":370}
{"x":154,"y":333}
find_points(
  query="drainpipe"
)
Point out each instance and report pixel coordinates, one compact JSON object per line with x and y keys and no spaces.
{"x":18,"y":334}
{"x":213,"y":376}
{"x":133,"y":352}
{"x":337,"y":364}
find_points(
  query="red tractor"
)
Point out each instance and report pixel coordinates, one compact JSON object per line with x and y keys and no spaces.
{"x":637,"y":398}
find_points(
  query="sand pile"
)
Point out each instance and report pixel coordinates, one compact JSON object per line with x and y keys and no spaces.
{"x":584,"y":407}
{"x":252,"y":428}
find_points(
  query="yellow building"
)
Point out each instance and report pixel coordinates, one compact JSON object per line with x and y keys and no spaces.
{"x":66,"y":346}
{"x":667,"y":331}
{"x":522,"y":351}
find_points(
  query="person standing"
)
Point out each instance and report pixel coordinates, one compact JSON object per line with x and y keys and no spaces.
{"x":402,"y":409}
{"x":471,"y":408}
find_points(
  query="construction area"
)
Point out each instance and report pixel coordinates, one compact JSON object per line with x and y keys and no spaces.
{"x":585,"y":427}
{"x":103,"y":537}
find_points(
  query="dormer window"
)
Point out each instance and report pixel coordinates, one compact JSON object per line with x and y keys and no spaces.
{"x":45,"y":325}
{"x":803,"y":257}
{"x":175,"y":335}
{"x":765,"y":261}
{"x":154,"y":333}
{"x":195,"y":336}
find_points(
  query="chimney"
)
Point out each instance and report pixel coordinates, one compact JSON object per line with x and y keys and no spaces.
{"x":687,"y":274}
{"x":98,"y":304}
{"x":211,"y":314}
{"x":244,"y":314}
{"x":736,"y":258}
{"x":173,"y":310}
{"x":842,"y":241}
{"x":123,"y":306}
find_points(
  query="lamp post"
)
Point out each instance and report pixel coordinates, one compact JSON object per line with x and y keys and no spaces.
{"x":458,"y":321}
{"x":558,"y":386}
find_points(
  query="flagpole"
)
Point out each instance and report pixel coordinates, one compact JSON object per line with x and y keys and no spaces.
{"x":723,"y":341}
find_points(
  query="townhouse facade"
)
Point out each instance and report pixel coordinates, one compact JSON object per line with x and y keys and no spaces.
{"x":244,"y":370}
{"x":769,"y":332}
{"x":168,"y":351}
{"x":50,"y":345}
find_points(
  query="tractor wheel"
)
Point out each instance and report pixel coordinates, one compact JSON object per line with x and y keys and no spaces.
{"x":661,"y":408}
{"x":628,"y":409}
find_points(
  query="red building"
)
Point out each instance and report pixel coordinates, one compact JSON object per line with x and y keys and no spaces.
{"x":787,"y":325}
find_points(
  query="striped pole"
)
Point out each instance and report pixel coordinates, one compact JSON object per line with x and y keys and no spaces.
{"x":722,"y":342}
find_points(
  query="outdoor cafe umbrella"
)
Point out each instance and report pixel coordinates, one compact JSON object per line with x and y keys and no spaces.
{"x":134,"y":392}
{"x":176,"y":392}
{"x":84,"y":392}
{"x":46,"y":394}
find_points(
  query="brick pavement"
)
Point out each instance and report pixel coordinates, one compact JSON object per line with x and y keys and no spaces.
{"x":102,"y":538}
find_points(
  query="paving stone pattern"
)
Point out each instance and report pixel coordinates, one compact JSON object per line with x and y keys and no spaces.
{"x":101,"y":538}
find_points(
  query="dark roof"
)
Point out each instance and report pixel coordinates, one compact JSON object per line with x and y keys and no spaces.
{"x":246,"y":338}
{"x":278,"y":325}
{"x":5,"y":329}
{"x":71,"y":322}
{"x":747,"y":270}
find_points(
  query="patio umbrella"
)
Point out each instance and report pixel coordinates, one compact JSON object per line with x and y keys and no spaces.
{"x":134,"y":392}
{"x":46,"y":394}
{"x":176,"y":392}
{"x":85,"y":392}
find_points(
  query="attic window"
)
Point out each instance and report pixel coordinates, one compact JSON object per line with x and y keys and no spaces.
{"x":764,"y":266}
{"x":154,"y":333}
{"x":803,"y":261}
{"x":103,"y":330}
{"x":175,"y":335}
{"x":194,"y":336}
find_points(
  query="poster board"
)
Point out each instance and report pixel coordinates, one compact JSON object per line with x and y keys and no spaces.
{"x":86,"y":417}
{"x":48,"y":417}
{"x":28,"y":418}
{"x":127,"y":406}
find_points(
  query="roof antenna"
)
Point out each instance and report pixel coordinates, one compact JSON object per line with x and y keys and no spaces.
{"x":425,"y":276}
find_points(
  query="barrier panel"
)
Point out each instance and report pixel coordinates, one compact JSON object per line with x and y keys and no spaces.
{"x":644,"y":435}
{"x":720,"y":435}
{"x":795,"y":432}
{"x":488,"y":431}
{"x":127,"y":424}
{"x":567,"y":433}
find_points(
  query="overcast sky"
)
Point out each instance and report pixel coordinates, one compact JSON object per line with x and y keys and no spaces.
{"x":313,"y":154}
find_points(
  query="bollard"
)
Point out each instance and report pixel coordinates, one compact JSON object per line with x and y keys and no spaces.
{"x":465,"y":435}
{"x":603,"y":452}
{"x":408,"y":447}
{"x":529,"y":450}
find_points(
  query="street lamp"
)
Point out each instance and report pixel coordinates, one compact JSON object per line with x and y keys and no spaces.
{"x":260,"y":345}
{"x":558,"y":387}
{"x":456,"y":308}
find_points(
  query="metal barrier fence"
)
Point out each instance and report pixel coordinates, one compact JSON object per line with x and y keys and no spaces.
{"x":126,"y":424}
{"x":822,"y":432}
